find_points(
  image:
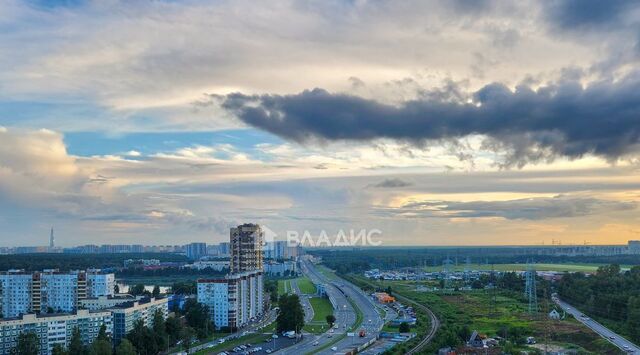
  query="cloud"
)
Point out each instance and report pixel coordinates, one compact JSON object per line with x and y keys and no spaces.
{"x":527,"y":124}
{"x":581,"y":14}
{"x":393,"y":182}
{"x":528,"y":209}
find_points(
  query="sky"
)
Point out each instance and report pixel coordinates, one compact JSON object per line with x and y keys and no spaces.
{"x":435,"y":122}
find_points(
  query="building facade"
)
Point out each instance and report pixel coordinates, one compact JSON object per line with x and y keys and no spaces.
{"x":53,"y":329}
{"x":50,"y":291}
{"x":195,"y":251}
{"x":246,"y":248}
{"x":235,"y":300}
{"x":99,"y":284}
{"x":126,"y":315}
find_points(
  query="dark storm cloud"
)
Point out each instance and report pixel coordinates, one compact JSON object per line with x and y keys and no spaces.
{"x":563,"y":119}
{"x":528,"y":209}
{"x":393,"y":182}
{"x":583,"y":14}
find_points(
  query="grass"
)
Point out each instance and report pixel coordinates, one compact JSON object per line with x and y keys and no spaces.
{"x":306,"y":286}
{"x":321,"y":308}
{"x":328,"y":273}
{"x":578,"y":267}
{"x":230,"y":344}
{"x":282,"y":287}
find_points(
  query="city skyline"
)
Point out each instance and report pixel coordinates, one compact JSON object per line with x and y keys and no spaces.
{"x":437,"y":123}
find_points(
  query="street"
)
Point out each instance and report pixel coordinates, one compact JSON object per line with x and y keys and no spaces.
{"x":604,"y":332}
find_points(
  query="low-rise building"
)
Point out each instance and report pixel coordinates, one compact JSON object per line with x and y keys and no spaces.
{"x":106,"y":302}
{"x":279,"y":268}
{"x":53,"y":329}
{"x":215,"y":265}
{"x":126,"y":315}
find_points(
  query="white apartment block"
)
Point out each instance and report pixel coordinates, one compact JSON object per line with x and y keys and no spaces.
{"x":126,"y":315}
{"x":99,"y":284}
{"x":50,"y":291}
{"x":53,"y":329}
{"x":235,"y":300}
{"x":60,"y":292}
{"x":16,"y":294}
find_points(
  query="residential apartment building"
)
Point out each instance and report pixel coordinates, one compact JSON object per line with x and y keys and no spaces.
{"x":235,"y":300}
{"x":53,"y":329}
{"x":126,"y":315}
{"x":246,"y":248}
{"x":195,"y":251}
{"x":281,"y":250}
{"x":100,"y":284}
{"x":50,"y":291}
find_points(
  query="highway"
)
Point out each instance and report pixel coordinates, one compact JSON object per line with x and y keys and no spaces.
{"x":304,"y":300}
{"x":345,"y":315}
{"x":604,"y":332}
{"x":371,"y":322}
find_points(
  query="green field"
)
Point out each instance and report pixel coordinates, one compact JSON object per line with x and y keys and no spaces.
{"x":284,"y":286}
{"x":582,"y":267}
{"x":474,"y":310}
{"x":321,"y":308}
{"x":306,"y":286}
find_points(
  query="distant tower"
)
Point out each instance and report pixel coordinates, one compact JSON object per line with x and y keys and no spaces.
{"x":52,"y":240}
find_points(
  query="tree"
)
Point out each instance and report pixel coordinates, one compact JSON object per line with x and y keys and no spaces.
{"x":137,"y":290}
{"x":186,"y":335}
{"x":331,"y":319}
{"x":101,"y":344}
{"x":293,"y":318}
{"x":143,"y":339}
{"x":125,"y":348}
{"x":75,"y":344}
{"x":58,"y":349}
{"x":156,"y":291}
{"x":197,"y":316}
{"x":404,"y":327}
{"x":28,"y":344}
{"x":160,"y":330}
{"x":173,"y":327}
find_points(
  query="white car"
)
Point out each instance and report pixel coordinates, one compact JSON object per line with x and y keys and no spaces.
{"x":334,"y":348}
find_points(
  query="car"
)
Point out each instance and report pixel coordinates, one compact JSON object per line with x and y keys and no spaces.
{"x":330,"y":336}
{"x":334,"y":348}
{"x":220,"y":341}
{"x":275,"y":336}
{"x":268,"y":351}
{"x":315,"y":343}
{"x":612,"y":337}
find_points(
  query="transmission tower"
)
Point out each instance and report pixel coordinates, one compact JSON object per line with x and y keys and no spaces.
{"x":530,"y":291}
{"x":446,"y":271}
{"x":467,"y":271}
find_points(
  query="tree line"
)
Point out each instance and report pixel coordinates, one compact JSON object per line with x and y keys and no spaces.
{"x":609,"y":294}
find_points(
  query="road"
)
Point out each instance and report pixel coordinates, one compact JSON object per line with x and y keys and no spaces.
{"x":604,"y":332}
{"x":345,"y":315}
{"x":304,"y":300}
{"x":341,"y":291}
